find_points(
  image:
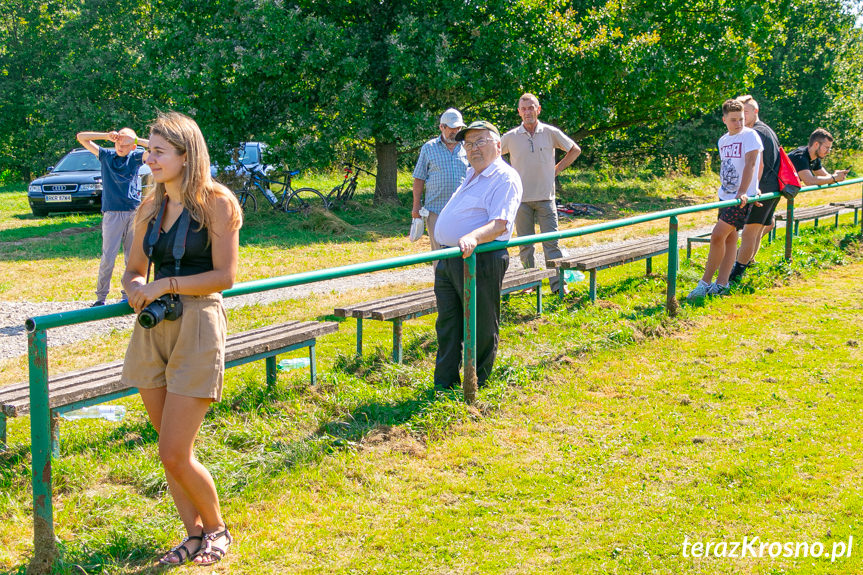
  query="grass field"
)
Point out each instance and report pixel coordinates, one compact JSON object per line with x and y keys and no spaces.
{"x":609,"y":435}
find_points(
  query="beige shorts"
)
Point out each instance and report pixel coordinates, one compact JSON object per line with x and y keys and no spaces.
{"x":186,"y":355}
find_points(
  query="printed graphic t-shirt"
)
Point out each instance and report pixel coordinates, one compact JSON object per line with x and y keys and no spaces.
{"x":732,"y":153}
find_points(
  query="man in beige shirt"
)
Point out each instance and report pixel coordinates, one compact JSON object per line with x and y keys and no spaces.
{"x":531,"y":148}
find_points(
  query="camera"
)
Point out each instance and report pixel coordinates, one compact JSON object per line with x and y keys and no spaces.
{"x":167,"y":307}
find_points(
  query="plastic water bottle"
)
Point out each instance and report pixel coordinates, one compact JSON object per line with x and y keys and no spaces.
{"x":106,"y":412}
{"x":293,"y":363}
{"x":570,"y":276}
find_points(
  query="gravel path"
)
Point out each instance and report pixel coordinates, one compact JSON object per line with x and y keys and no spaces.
{"x":13,"y":339}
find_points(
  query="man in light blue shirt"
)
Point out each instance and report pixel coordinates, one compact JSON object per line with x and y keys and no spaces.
{"x":439,"y":170}
{"x":481,"y":210}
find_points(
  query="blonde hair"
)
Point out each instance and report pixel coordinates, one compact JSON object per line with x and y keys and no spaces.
{"x":199,"y":190}
{"x":747,"y":99}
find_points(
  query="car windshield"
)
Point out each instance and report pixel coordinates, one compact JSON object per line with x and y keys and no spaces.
{"x":249,"y":156}
{"x":85,"y":162}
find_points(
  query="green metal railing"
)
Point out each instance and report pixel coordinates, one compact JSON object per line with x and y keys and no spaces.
{"x":36,"y":327}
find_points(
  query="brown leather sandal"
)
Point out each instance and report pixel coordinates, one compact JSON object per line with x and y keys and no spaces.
{"x":181,"y":552}
{"x":211,"y":553}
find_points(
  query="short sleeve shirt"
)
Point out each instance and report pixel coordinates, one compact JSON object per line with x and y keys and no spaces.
{"x":441,"y":170}
{"x":532,"y":156}
{"x":732,"y":154}
{"x":121,"y":187}
{"x":494,"y":194}
{"x":800,"y":159}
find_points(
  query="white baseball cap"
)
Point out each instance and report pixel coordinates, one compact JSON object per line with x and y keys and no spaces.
{"x":452,"y":118}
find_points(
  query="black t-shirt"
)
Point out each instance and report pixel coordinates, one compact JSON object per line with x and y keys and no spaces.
{"x":801,"y":161}
{"x":198,"y":257}
{"x":768,"y":182}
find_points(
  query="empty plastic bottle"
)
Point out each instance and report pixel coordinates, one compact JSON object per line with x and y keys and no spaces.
{"x":570,"y":276}
{"x":106,"y":412}
{"x":293,"y":363}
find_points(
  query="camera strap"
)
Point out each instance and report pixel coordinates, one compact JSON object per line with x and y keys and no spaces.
{"x":179,"y":248}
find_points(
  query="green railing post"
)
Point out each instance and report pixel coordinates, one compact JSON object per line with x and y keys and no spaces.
{"x":789,"y":228}
{"x":673,"y":257}
{"x":469,"y":346}
{"x":40,"y":447}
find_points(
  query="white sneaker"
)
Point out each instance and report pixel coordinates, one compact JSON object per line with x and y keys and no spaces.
{"x":717,"y":289}
{"x":701,"y":290}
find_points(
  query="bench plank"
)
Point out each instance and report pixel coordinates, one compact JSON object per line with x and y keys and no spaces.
{"x":71,"y":387}
{"x":624,"y":253}
{"x":401,"y":307}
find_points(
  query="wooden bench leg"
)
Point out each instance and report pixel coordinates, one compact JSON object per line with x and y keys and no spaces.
{"x":649,"y":266}
{"x":796,"y":227}
{"x":359,"y":337}
{"x":836,"y":224}
{"x":816,"y":224}
{"x":593,"y":286}
{"x":560,"y":283}
{"x":3,"y":444}
{"x":313,"y":365}
{"x":689,"y":248}
{"x":855,"y":216}
{"x":397,"y":340}
{"x":271,"y":372}
{"x":55,"y":435}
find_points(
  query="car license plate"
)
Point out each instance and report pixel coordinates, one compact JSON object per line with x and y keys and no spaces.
{"x":58,"y":197}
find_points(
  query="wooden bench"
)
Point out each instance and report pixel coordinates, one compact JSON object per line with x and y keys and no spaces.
{"x":400,"y":308}
{"x":101,"y":383}
{"x":814,"y":213}
{"x":627,"y":252}
{"x":850,"y":205}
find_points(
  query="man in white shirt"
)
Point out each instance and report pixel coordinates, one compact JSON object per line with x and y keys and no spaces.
{"x":740,"y":152}
{"x":481,"y":210}
{"x":531,"y":148}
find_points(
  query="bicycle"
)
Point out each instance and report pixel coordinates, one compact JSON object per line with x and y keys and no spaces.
{"x":344,"y":192}
{"x":291,"y":200}
{"x":574,"y":209}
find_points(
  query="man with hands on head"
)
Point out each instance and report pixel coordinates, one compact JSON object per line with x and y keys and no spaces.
{"x":481,"y":210}
{"x":121,"y":195}
{"x":807,"y":160}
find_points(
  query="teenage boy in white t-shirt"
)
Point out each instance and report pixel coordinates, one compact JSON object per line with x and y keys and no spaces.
{"x":740,"y":155}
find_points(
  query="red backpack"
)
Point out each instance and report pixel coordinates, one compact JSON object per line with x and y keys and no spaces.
{"x":789,"y":183}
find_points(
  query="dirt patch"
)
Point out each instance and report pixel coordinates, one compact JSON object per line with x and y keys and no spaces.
{"x":397,"y":439}
{"x":53,"y":236}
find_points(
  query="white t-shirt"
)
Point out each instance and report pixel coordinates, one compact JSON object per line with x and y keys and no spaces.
{"x":732,"y":153}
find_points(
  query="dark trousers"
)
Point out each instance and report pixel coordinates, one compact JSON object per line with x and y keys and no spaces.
{"x":449,"y":293}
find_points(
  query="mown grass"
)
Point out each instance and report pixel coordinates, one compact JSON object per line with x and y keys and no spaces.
{"x":607,"y":434}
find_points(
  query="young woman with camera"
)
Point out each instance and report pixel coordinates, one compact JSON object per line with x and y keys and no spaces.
{"x":187,"y":231}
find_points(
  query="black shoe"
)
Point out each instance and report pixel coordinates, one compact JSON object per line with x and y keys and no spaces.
{"x":737,"y":272}
{"x":97,"y":303}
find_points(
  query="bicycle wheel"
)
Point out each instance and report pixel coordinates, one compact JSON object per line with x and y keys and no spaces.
{"x":247,"y":200}
{"x":305,"y":200}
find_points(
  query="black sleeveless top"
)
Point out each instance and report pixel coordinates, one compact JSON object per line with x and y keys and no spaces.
{"x":197,"y":259}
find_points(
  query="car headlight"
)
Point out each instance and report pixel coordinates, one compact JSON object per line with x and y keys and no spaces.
{"x":90,"y":187}
{"x":35,"y":188}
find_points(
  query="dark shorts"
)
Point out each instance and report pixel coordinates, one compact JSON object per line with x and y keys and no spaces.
{"x":735,"y":215}
{"x":763,"y":214}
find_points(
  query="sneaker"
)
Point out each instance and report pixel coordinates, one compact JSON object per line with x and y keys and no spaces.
{"x":737,"y":272}
{"x":717,"y":289}
{"x":97,"y":303}
{"x":700,"y":290}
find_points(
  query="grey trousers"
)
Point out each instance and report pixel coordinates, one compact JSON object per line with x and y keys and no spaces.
{"x":543,"y":212}
{"x":117,"y":228}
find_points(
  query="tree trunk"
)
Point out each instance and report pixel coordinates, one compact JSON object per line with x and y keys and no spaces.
{"x":385,"y":187}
